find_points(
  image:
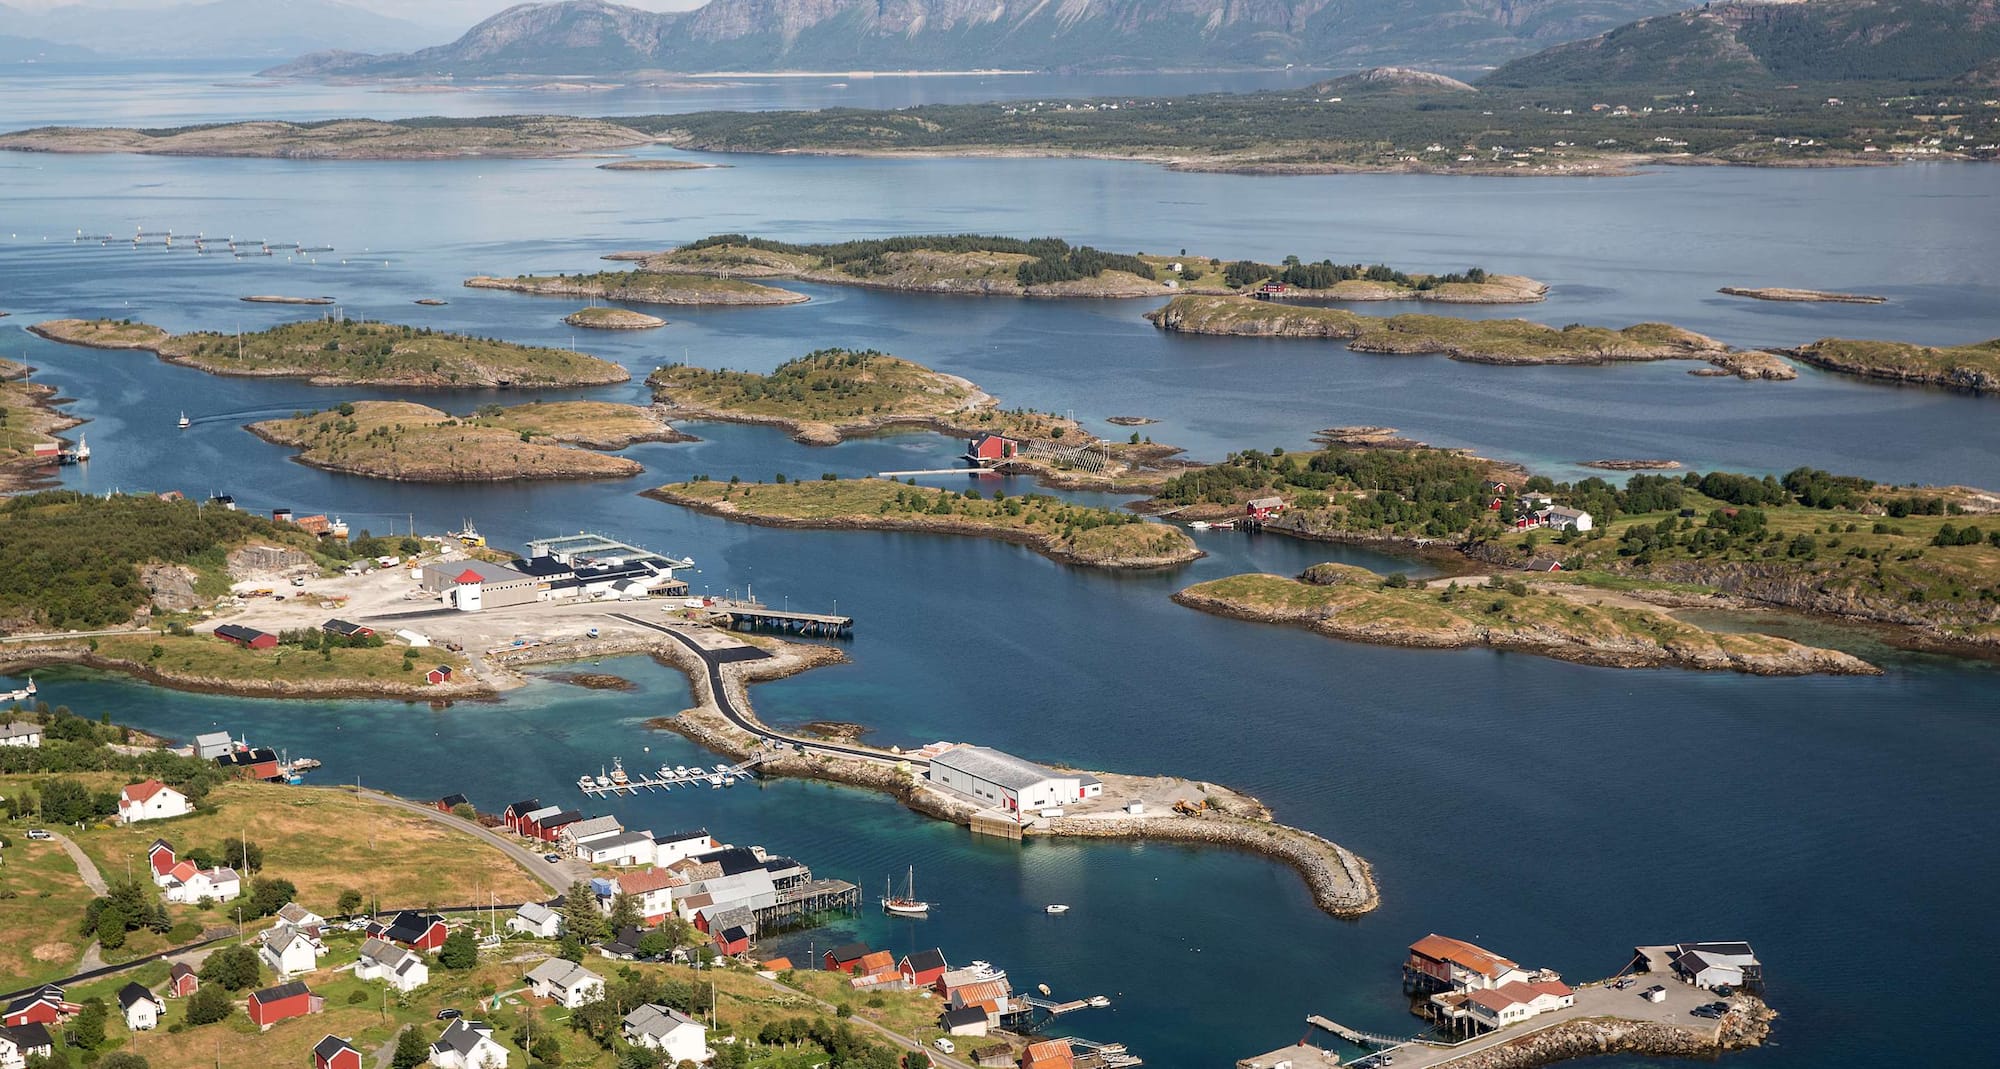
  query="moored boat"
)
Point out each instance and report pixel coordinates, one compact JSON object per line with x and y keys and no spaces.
{"x":907,"y":904}
{"x":1055,"y":907}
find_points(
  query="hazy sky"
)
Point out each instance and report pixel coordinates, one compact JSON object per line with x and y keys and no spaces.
{"x":427,"y":11}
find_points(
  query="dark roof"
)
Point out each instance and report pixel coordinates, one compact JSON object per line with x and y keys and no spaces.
{"x":159,"y":843}
{"x":345,"y":627}
{"x":780,"y":864}
{"x":963,"y":1015}
{"x":567,"y":816}
{"x":625,"y":942}
{"x":539,"y":566}
{"x":735,"y":860}
{"x":247,"y":757}
{"x":454,"y":800}
{"x":40,"y":994}
{"x":282,"y":992}
{"x":238,"y":632}
{"x":330,"y":1046}
{"x":30,"y":1036}
{"x":1721,"y":948}
{"x":410,"y":926}
{"x":926,"y":960}
{"x":180,"y":969}
{"x":681,"y":836}
{"x":134,"y":993}
{"x":734,"y":933}
{"x":850,"y":952}
{"x":524,"y":807}
{"x":460,"y":1035}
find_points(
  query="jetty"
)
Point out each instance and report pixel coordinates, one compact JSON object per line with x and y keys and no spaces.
{"x":1357,"y":1036}
{"x":667,"y":780}
{"x":757,"y":616}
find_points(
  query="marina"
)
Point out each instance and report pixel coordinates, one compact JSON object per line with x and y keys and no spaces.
{"x":617,"y":781}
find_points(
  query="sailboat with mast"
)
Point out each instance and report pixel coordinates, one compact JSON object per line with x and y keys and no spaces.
{"x":908,"y":904}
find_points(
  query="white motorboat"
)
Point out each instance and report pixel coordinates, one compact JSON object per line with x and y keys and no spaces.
{"x":185,"y":421}
{"x":1198,"y":525}
{"x":20,"y":695}
{"x":714,"y":780}
{"x":602,"y":779}
{"x":618,"y":775}
{"x":584,"y":782}
{"x":1098,"y":1001}
{"x":1056,"y":907}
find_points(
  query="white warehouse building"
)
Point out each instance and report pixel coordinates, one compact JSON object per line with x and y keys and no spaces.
{"x":1004,"y":781}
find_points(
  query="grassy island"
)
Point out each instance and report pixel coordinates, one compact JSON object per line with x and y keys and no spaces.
{"x":1967,"y":367}
{"x":350,"y":353}
{"x":598,"y":317}
{"x":415,"y":443}
{"x":1073,"y":534}
{"x":1924,"y":563}
{"x":520,"y":136}
{"x":644,"y":287}
{"x":1051,"y":267}
{"x":1485,"y":341}
{"x":1353,"y":603}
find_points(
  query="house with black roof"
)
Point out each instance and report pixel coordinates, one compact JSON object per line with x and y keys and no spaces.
{"x":964,"y":1021}
{"x":142,"y":1008}
{"x":346,"y":628}
{"x":247,"y":637}
{"x":412,"y":929}
{"x":334,"y":1052}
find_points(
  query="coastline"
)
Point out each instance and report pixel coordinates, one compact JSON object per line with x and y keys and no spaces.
{"x":24,"y":657}
{"x":1342,"y":882}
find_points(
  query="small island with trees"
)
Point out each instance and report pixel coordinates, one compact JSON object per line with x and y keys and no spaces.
{"x":1073,"y":534}
{"x":644,"y":287}
{"x":342,"y":352}
{"x":416,"y":443}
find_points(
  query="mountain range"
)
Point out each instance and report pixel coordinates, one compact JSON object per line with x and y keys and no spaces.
{"x":213,"y":28}
{"x":1801,"y":41}
{"x":597,"y":37}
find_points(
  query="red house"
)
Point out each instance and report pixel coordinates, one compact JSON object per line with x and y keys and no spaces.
{"x":417,"y":931}
{"x":450,"y":802}
{"x":440,"y":674}
{"x":247,"y":637}
{"x":511,"y":816}
{"x":923,"y":968}
{"x":44,"y":1005}
{"x":334,"y":1052}
{"x":160,"y":858}
{"x":991,"y":449}
{"x":846,"y":958}
{"x":282,"y":1003}
{"x":732,"y":940}
{"x":1263,"y":508}
{"x":182,"y":981}
{"x":548,"y":828}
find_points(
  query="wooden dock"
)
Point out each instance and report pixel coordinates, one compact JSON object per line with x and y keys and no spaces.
{"x":755,"y":616}
{"x":693,"y":777}
{"x":1355,"y":1035}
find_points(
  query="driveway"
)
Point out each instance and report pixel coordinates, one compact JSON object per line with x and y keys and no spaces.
{"x":85,"y":868}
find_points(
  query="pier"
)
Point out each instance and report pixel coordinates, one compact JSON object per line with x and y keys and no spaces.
{"x":813,"y":896}
{"x":719,"y":776}
{"x":755,"y":616}
{"x":1355,"y":1035}
{"x":1035,"y":1014}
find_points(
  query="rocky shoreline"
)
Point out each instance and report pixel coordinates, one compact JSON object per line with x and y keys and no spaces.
{"x":15,"y":659}
{"x":1598,"y":1036}
{"x":687,"y":290}
{"x":1044,"y":543}
{"x":1342,"y":883}
{"x":1822,"y":354}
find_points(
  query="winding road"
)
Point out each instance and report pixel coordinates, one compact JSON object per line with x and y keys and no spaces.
{"x":713,"y":660}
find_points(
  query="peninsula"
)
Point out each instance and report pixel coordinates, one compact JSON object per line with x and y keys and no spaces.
{"x":1073,"y":534}
{"x":825,"y":397}
{"x":643,"y":287}
{"x":415,"y":443}
{"x":1581,"y":569}
{"x":29,"y":423}
{"x":985,"y":265}
{"x":1973,"y":367}
{"x":1482,"y":341}
{"x":519,"y":136}
{"x":342,"y":352}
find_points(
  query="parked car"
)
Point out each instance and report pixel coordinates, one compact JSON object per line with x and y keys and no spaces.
{"x":449,"y":1014}
{"x":552,"y":858}
{"x":945,"y":1045}
{"x":39,"y":833}
{"x":1705,"y":1011}
{"x":1724,"y":991}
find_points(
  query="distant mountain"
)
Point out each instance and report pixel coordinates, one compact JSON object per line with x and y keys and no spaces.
{"x":596,"y":37}
{"x":233,"y":28}
{"x":1803,"y":41}
{"x":35,"y":50}
{"x":1392,"y":80}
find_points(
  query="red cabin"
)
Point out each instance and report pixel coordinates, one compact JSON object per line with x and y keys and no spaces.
{"x":733,"y":940}
{"x":282,"y":1003}
{"x":511,"y":816}
{"x":334,"y":1052}
{"x":440,"y":674}
{"x":417,"y":931}
{"x":1264,"y":508}
{"x":846,"y":958}
{"x":991,"y":449}
{"x":923,"y":968}
{"x":43,"y":1006}
{"x":247,"y":637}
{"x":182,"y":982}
{"x":160,"y":858}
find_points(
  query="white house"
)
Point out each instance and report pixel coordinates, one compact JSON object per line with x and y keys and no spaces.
{"x":680,"y":1037}
{"x":537,"y":920}
{"x":289,"y":951}
{"x":468,"y":1045}
{"x":1512,"y":1003}
{"x":675,"y":846}
{"x":565,"y":982}
{"x":142,"y":1007}
{"x":19,"y":1042}
{"x":213,"y":744}
{"x":1004,"y":781}
{"x":1568,"y":519}
{"x":574,"y":835}
{"x":151,"y":800}
{"x":1716,"y":964}
{"x":24,"y":733}
{"x":187,"y":884}
{"x":624,"y":848}
{"x":653,"y":890}
{"x":402,"y":969}
{"x":302,"y":918}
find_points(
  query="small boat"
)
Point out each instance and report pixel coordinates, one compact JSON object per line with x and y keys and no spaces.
{"x":602,"y":779}
{"x":19,"y":695}
{"x":1056,"y":907}
{"x":679,"y":770}
{"x":185,"y":421}
{"x":1198,"y":525}
{"x":722,"y":768}
{"x":338,"y":528}
{"x":470,"y":536}
{"x":908,"y":904}
{"x":305,"y":764}
{"x":729,"y":781}
{"x":1098,"y":1001}
{"x":82,"y":449}
{"x":666,"y":772}
{"x":618,"y":775}
{"x":714,"y":780}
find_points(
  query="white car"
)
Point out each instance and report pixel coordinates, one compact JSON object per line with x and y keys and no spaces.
{"x":39,"y":833}
{"x":944,"y":1046}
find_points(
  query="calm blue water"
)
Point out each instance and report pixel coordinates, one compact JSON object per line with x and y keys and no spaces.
{"x":1558,"y":813}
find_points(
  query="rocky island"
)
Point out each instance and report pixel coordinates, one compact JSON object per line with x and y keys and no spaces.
{"x":1483,"y":341}
{"x":348,"y":353}
{"x":1050,"y":267}
{"x":598,"y":317}
{"x":644,"y":287}
{"x":1584,"y":563}
{"x":1073,"y":534}
{"x":1781,"y":293}
{"x":516,"y":136}
{"x":657,"y":165}
{"x":415,"y":443}
{"x":1973,"y":367}
{"x":825,"y":397}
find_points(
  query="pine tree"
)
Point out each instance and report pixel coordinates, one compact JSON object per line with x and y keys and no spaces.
{"x":580,"y":915}
{"x":625,"y":912}
{"x":460,"y":951}
{"x":411,"y":1050}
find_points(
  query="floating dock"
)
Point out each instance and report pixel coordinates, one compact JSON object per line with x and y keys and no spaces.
{"x":693,"y":777}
